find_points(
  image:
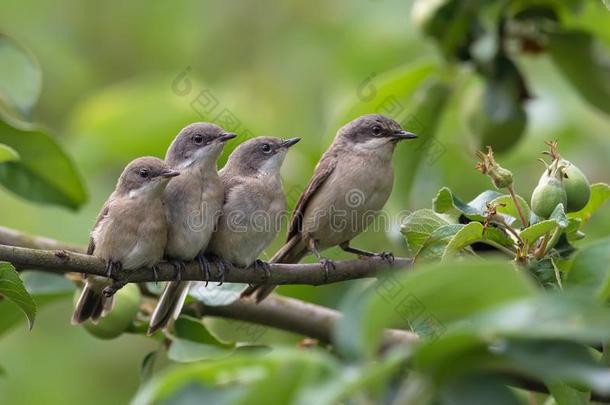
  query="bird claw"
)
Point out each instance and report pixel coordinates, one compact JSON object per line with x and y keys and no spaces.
{"x":180,"y":267}
{"x":205,"y":268}
{"x":155,"y":270}
{"x":387,"y":257}
{"x":264,"y":266}
{"x":222,"y":269}
{"x":327,"y":265}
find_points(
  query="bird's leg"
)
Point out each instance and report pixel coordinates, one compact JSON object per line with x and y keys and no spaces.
{"x":204,"y":267}
{"x":264,"y":266}
{"x":117,"y":283}
{"x":109,"y":265}
{"x":327,"y":264}
{"x":179,"y":266}
{"x":386,"y":256}
{"x":222,"y":268}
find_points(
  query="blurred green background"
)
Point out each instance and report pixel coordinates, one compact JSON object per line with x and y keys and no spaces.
{"x":121,"y":78}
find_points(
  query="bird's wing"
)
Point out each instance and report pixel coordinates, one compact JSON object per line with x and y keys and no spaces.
{"x":103,"y":214}
{"x":229,"y":183}
{"x":323,"y":170}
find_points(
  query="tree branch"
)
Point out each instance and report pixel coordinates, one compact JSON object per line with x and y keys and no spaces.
{"x":61,"y":261}
{"x":12,"y":237}
{"x":292,"y":315}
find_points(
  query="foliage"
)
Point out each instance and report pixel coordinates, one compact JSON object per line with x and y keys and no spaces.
{"x":496,"y":292}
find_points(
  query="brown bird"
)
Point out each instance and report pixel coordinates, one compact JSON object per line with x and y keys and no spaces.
{"x":193,"y":203}
{"x":254,"y":201}
{"x":130,"y":232}
{"x":351,"y":182}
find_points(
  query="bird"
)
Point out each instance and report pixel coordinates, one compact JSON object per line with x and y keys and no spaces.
{"x":351,"y":182}
{"x":130,"y":232}
{"x":193,"y":203}
{"x":254,"y":202}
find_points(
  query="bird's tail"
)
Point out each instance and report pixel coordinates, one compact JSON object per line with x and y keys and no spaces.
{"x":292,"y":252}
{"x":92,"y":303}
{"x":169,"y":305}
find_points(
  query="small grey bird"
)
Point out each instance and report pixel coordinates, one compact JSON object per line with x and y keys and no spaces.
{"x":254,"y":201}
{"x":351,"y":183}
{"x":130,"y":232}
{"x":193,"y":203}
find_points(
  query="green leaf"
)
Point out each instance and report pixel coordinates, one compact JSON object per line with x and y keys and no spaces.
{"x":446,"y":202}
{"x":559,"y":215}
{"x":580,"y":58}
{"x":44,"y":172}
{"x":418,"y":226}
{"x":566,"y":395}
{"x":282,"y":376}
{"x":556,"y":361}
{"x":147,"y":366}
{"x":600,"y":194}
{"x":466,"y":236}
{"x":533,"y":232}
{"x":474,"y":232}
{"x":413,"y":298}
{"x":550,"y":317}
{"x":20,"y":78}
{"x":510,"y":209}
{"x":193,"y":342}
{"x":590,"y":269}
{"x":7,"y":154}
{"x":11,"y":288}
{"x":434,"y":247}
{"x":44,"y":287}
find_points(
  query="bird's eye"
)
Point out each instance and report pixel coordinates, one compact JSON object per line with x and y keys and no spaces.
{"x":377,"y":130}
{"x":198,"y":139}
{"x":266,"y":148}
{"x":144,"y":173}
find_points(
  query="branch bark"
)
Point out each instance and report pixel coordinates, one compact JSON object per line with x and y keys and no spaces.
{"x":62,"y":261}
{"x":292,"y":315}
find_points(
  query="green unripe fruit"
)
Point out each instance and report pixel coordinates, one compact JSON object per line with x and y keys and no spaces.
{"x":578,"y":189}
{"x":548,"y":194}
{"x":124,"y":311}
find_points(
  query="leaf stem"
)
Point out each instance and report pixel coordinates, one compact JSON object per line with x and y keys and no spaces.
{"x":511,"y":190}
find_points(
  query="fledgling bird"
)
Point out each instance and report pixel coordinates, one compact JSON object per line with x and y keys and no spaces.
{"x":254,"y":201}
{"x":193,"y":203}
{"x":351,"y":182}
{"x":130,"y":232}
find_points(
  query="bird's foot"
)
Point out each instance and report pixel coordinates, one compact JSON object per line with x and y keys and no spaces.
{"x":387,"y":257}
{"x":327,"y":265}
{"x":204,"y":266}
{"x":111,"y":289}
{"x":179,"y":266}
{"x":263,"y":266}
{"x":222,"y":269}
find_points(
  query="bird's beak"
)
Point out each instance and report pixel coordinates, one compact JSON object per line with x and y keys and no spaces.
{"x":226,"y":136}
{"x":169,"y":173}
{"x":289,"y":142}
{"x":403,"y":135}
